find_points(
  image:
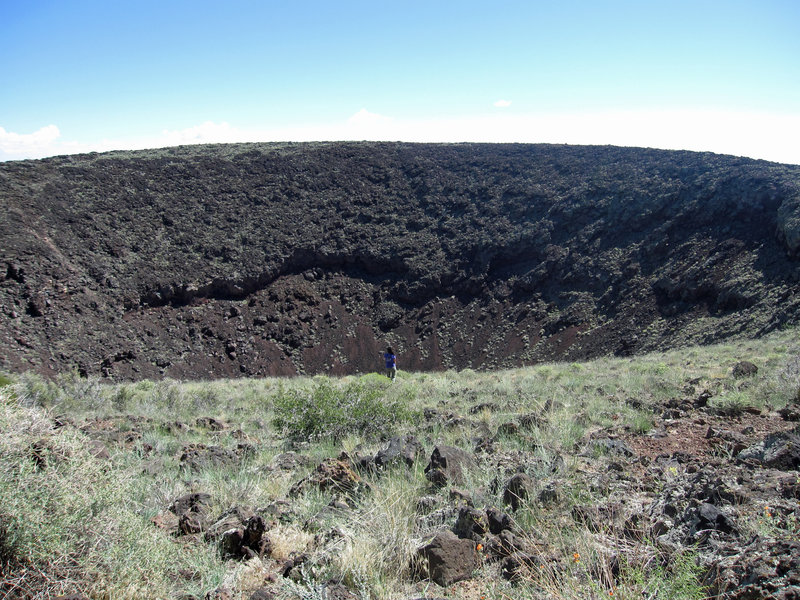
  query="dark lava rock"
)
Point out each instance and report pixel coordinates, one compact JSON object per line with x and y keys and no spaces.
{"x":233,"y":518}
{"x":517,"y":490}
{"x":448,"y":465}
{"x":790,"y":412}
{"x":518,"y":566}
{"x":197,"y":457}
{"x":471,"y":524}
{"x":744,"y":369}
{"x":264,"y":255}
{"x":762,"y":569}
{"x":405,"y":449}
{"x":549,"y":494}
{"x":210,"y":423}
{"x":707,"y":516}
{"x":608,"y":446}
{"x":448,"y":559}
{"x":498,"y":520}
{"x":331,"y":475}
{"x":245,"y":541}
{"x":780,"y":450}
{"x":194,"y":502}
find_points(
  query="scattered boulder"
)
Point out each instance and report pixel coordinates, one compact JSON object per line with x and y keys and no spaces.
{"x":744,"y":369}
{"x":245,"y":542}
{"x":196,"y":457}
{"x":509,"y":543}
{"x":518,"y":566}
{"x":402,"y":450}
{"x":210,"y":423}
{"x":549,"y":494}
{"x":233,"y":518}
{"x":471,"y":524}
{"x":448,"y":465}
{"x":531,"y":420}
{"x":195,"y":502}
{"x":333,"y":474}
{"x":702,"y":399}
{"x":498,"y":520}
{"x":608,"y":446}
{"x":239,"y":532}
{"x":290,"y":461}
{"x":191,"y":523}
{"x":780,"y":450}
{"x":707,"y":516}
{"x":517,"y":490}
{"x":448,"y":559}
{"x":790,"y":412}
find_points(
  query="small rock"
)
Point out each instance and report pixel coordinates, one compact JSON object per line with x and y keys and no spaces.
{"x":708,"y":516}
{"x":448,"y":465}
{"x":518,"y":566}
{"x":263,"y":594}
{"x":791,"y":412}
{"x":471,"y":524}
{"x":498,"y":520}
{"x":404,"y":450}
{"x":195,"y":502}
{"x":332,"y":474}
{"x":780,"y":450}
{"x":744,"y":369}
{"x":448,"y":559}
{"x":517,"y":489}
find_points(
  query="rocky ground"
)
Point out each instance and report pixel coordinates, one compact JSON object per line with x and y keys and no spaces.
{"x":703,"y":504}
{"x":279,"y":259}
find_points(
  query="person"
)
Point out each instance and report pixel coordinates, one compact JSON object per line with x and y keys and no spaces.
{"x":390,"y":361}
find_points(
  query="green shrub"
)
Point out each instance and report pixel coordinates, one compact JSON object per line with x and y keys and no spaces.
{"x":333,"y":412}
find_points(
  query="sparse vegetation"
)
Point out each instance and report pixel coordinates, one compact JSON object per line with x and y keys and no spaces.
{"x":74,"y":519}
{"x":333,"y":411}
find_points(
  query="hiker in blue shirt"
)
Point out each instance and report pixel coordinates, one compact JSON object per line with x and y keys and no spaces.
{"x":391,"y":363}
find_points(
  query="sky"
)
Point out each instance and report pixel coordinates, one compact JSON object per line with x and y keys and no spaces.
{"x":97,"y":75}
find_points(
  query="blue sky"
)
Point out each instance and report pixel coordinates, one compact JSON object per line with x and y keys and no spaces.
{"x":710,"y":75}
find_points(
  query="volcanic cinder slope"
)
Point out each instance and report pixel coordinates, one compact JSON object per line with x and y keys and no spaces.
{"x":255,"y":259}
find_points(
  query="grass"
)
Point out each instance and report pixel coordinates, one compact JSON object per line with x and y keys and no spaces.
{"x":71,"y":522}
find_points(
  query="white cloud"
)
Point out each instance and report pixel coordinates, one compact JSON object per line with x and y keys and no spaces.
{"x":23,"y":143}
{"x":205,"y":133}
{"x":365,"y":118}
{"x":756,"y":135}
{"x":502,"y":103}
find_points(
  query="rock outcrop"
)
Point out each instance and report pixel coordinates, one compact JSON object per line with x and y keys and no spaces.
{"x":278,"y":259}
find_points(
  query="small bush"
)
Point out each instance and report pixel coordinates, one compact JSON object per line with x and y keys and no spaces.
{"x":334,"y":412}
